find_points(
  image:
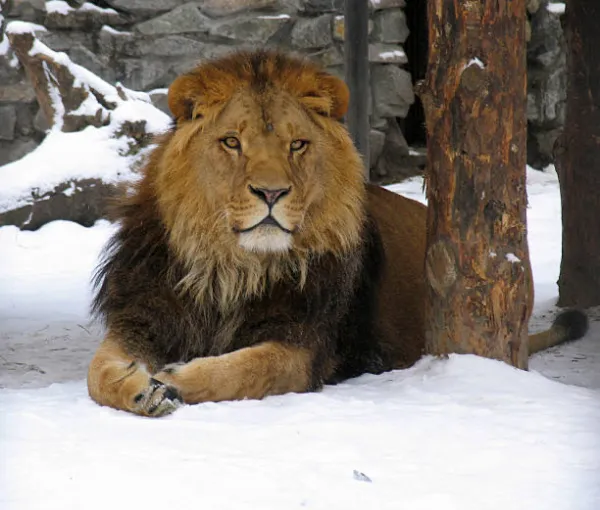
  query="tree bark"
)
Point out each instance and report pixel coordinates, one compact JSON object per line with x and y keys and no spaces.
{"x":477,"y":262}
{"x":577,"y":155}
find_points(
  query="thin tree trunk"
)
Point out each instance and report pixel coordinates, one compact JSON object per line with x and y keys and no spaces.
{"x":477,"y":262}
{"x":578,"y":159}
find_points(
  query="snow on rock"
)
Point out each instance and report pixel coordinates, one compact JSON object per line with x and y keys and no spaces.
{"x":59,"y":7}
{"x":93,"y":153}
{"x":24,"y":27}
{"x":556,"y":8}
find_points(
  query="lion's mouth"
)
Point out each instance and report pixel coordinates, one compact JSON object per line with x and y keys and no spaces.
{"x":267,"y":221}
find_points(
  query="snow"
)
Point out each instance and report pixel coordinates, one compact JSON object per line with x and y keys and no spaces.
{"x":475,"y":62}
{"x":54,"y":93}
{"x":91,"y":7}
{"x":59,"y":7}
{"x":389,"y":55}
{"x":4,"y":44}
{"x":63,"y":8}
{"x":447,"y":434}
{"x":23,"y":27}
{"x":511,"y":257}
{"x":556,"y":8}
{"x":276,"y":16}
{"x":93,"y":153}
{"x":113,"y":31}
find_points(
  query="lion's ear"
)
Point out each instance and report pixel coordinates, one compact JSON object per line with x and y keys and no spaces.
{"x":185,"y":97}
{"x":330,"y":97}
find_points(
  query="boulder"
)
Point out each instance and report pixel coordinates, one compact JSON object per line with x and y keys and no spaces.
{"x":313,"y":32}
{"x":392,"y":90}
{"x":186,"y":18}
{"x":82,"y":201}
{"x":8,"y":122}
{"x":89,"y":16}
{"x":217,"y":8}
{"x":390,"y":26}
{"x":381,"y":53}
{"x":397,"y":161}
{"x":250,"y":29}
{"x":144,"y":8}
{"x":320,"y":6}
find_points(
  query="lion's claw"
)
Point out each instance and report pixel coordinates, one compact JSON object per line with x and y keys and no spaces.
{"x":157,"y":399}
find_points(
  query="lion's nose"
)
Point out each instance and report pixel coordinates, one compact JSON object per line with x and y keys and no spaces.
{"x":269,"y":196}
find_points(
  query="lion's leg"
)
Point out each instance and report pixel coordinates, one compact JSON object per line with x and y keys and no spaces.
{"x":270,"y":368}
{"x":117,"y":380}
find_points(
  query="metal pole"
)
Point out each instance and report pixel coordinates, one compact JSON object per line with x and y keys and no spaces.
{"x":356,"y":53}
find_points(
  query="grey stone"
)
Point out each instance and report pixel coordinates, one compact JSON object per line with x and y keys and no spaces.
{"x":168,"y":46}
{"x":540,"y":147}
{"x":160,"y":100}
{"x":320,"y":6}
{"x":217,"y":8}
{"x":144,"y":7}
{"x":17,"y":93}
{"x":40,"y":123}
{"x":11,"y":72}
{"x":25,"y":10}
{"x":396,"y":161}
{"x":8,"y":121}
{"x":86,"y":202}
{"x":111,"y":42}
{"x":25,"y":115}
{"x":390,"y":26}
{"x":84,"y":57}
{"x":65,"y":40}
{"x":376,"y":141}
{"x":84,"y":18}
{"x":313,"y":32}
{"x":183,"y":19}
{"x":145,"y":74}
{"x":392,"y":90}
{"x":545,"y":46}
{"x":339,"y":27}
{"x":387,"y":54}
{"x":328,"y":57}
{"x":12,"y":150}
{"x":385,"y":4}
{"x":210,"y":52}
{"x":251,"y":29}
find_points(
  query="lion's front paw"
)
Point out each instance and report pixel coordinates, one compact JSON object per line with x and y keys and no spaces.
{"x":158,"y":399}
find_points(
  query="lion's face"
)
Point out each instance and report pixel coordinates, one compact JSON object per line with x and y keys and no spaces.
{"x":266,"y":169}
{"x":259,"y":165}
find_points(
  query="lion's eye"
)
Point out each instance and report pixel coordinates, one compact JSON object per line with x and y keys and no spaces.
{"x":231,"y":142}
{"x":298,"y":145}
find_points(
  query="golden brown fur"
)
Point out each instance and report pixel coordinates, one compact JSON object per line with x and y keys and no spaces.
{"x":252,"y":259}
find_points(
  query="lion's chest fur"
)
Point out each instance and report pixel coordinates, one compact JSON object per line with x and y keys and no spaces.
{"x":332,"y":313}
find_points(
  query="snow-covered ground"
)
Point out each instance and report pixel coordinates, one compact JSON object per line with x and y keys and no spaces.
{"x":462,"y":433}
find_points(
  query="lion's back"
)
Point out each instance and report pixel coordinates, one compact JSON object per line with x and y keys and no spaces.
{"x":400,"y":317}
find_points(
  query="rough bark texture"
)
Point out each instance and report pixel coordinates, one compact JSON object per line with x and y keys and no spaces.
{"x":477,"y":262}
{"x":577,"y":155}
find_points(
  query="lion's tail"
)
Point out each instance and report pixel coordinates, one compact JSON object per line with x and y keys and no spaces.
{"x":569,"y":325}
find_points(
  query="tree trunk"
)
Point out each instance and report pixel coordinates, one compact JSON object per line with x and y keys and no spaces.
{"x":477,"y":263}
{"x":577,"y":155}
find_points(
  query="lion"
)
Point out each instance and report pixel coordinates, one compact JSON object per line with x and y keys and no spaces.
{"x":251,"y":259}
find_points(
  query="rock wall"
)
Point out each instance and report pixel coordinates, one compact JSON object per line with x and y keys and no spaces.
{"x":144,"y":44}
{"x":547,"y":80}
